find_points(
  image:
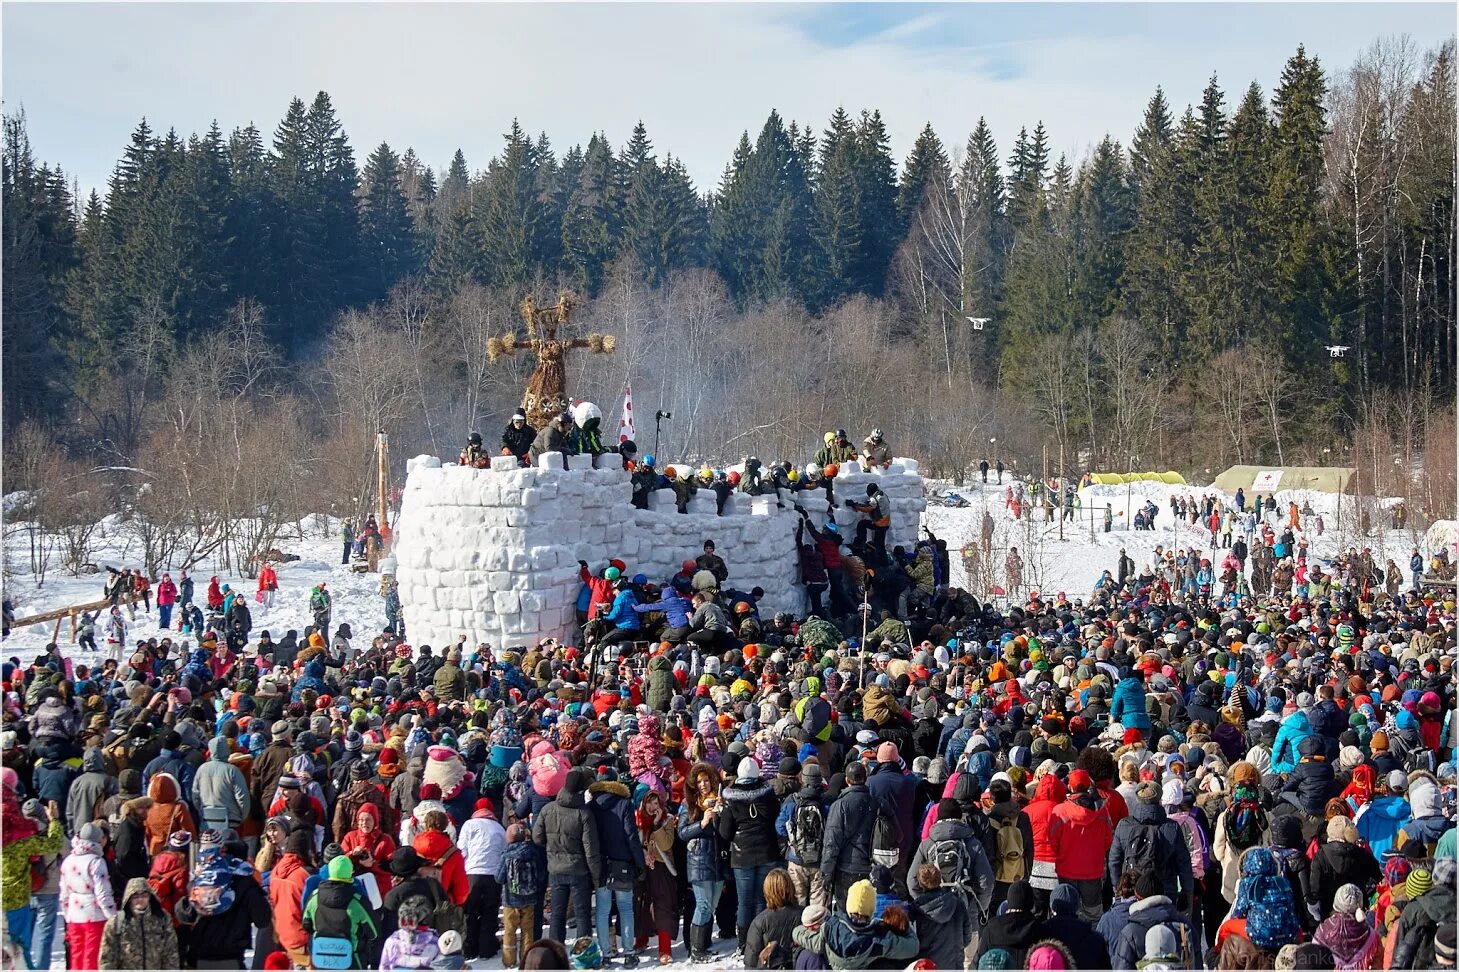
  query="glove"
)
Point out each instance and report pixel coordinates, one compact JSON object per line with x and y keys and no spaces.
{"x":583,"y":564}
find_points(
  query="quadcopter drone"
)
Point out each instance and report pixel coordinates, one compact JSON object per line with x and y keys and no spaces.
{"x":1336,"y":350}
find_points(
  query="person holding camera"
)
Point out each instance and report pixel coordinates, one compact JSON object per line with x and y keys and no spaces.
{"x":876,"y":516}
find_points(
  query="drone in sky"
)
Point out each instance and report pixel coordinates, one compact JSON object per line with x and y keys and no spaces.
{"x":979,"y":322}
{"x":1336,"y":350}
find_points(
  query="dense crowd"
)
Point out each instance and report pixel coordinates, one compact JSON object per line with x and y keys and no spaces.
{"x":1174,"y":772}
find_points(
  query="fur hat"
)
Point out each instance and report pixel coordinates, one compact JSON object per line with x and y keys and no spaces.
{"x":444,"y":768}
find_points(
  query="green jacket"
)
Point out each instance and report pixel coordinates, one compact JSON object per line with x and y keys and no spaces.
{"x":819,"y":633}
{"x":15,"y":864}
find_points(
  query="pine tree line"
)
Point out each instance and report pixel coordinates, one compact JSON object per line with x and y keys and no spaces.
{"x":1321,"y":215}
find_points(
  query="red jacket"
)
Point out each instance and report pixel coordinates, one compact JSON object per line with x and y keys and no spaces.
{"x":215,"y":594}
{"x":1080,"y":839}
{"x":286,"y":895}
{"x":166,"y":593}
{"x":1114,"y":801}
{"x":600,"y":591}
{"x":1048,"y":797}
{"x":268,"y":579}
{"x":438,"y":850}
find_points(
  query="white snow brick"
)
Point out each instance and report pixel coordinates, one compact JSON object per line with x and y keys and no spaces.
{"x":544,"y":558}
{"x":504,"y":463}
{"x":762,"y":506}
{"x":550,"y":461}
{"x":662,"y":501}
{"x":517,"y":561}
{"x":704,"y":503}
{"x":506,"y":602}
{"x":579,"y":463}
{"x":607,"y":460}
{"x":421,"y":462}
{"x":533,"y":602}
{"x":531,"y":496}
{"x":909,"y":466}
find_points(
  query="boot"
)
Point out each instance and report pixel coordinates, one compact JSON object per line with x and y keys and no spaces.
{"x":699,"y":937}
{"x":741,"y":933}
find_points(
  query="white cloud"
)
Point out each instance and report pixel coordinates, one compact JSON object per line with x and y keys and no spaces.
{"x":439,"y":76}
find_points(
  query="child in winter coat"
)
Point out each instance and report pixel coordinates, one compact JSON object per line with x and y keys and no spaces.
{"x":413,"y":945}
{"x":520,"y":878}
{"x":86,"y":897}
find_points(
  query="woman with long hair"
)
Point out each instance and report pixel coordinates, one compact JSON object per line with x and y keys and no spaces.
{"x":699,"y":829}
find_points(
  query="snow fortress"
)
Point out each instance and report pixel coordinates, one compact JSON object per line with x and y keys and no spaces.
{"x":492,"y":553}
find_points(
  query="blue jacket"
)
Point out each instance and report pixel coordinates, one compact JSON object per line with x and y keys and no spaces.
{"x":622,"y":614}
{"x":702,"y":846}
{"x":1127,"y":706}
{"x":676,"y":609}
{"x":1380,"y":822}
{"x":1295,"y":728}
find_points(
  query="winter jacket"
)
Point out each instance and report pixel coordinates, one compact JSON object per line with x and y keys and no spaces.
{"x":449,"y":683}
{"x":1127,"y":705}
{"x":1310,"y":786}
{"x":15,"y":885}
{"x":770,"y":926}
{"x":286,"y":896}
{"x":622,"y":614}
{"x":218,"y":783}
{"x":410,"y":949}
{"x":846,"y":847}
{"x":1147,"y":821}
{"x":174,"y":762}
{"x":378,"y":843}
{"x":86,"y":893}
{"x":897,"y":792}
{"x":813,"y":794}
{"x":54,"y":773}
{"x":336,"y":910}
{"x":1418,"y":927}
{"x":850,"y":944}
{"x":661,"y":684}
{"x":1337,"y":863}
{"x":1012,"y":931}
{"x":363,"y":793}
{"x":611,"y":803}
{"x":569,"y":833}
{"x":227,"y":935}
{"x":1144,"y":915}
{"x":1295,"y":728}
{"x":702,"y":846}
{"x":167,"y":814}
{"x":1080,"y":837}
{"x":980,"y":876}
{"x":130,"y":844}
{"x":89,"y":790}
{"x":440,"y":850}
{"x":747,"y":823}
{"x":272,"y":763}
{"x":54,"y":719}
{"x":1048,"y":797}
{"x":1380,"y":820}
{"x":944,"y":927}
{"x":145,"y":941}
{"x":1328,"y":722}
{"x":482,"y":839}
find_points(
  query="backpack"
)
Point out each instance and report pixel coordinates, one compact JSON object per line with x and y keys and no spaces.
{"x":1195,"y":842}
{"x":521,"y":876}
{"x":805,"y":830}
{"x":886,"y":838}
{"x":1143,"y":847}
{"x":1245,"y":822}
{"x":1009,"y":867}
{"x":169,"y":884}
{"x":951,"y":859}
{"x":445,"y":916}
{"x":1182,"y":940}
{"x":211,"y":891}
{"x":331,"y":953}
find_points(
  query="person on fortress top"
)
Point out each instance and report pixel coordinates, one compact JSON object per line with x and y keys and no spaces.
{"x":474,"y":454}
{"x":875,"y":452}
{"x":517,"y":438}
{"x":554,"y":438}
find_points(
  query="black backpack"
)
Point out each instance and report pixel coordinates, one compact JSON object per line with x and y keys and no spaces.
{"x":805,"y":830}
{"x":1142,"y":850}
{"x":886,"y":838}
{"x":521,"y":876}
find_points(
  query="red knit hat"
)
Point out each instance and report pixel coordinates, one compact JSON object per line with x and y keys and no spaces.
{"x":1079,"y":781}
{"x":430,"y":791}
{"x":389,"y":756}
{"x":1131,"y":736}
{"x":278,"y":960}
{"x":486,"y":807}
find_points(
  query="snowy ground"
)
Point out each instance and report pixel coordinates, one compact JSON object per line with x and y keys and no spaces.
{"x":1072,"y":564}
{"x":356,"y":600}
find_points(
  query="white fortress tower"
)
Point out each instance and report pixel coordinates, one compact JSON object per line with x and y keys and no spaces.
{"x":492,"y":553}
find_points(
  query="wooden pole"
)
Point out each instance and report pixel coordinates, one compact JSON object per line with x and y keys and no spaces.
{"x":382,"y":450}
{"x":1063,"y":490}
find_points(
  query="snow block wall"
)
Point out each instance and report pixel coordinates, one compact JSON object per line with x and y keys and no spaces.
{"x":492,"y":553}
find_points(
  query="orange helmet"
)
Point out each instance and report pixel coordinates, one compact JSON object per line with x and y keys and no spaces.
{"x":831,"y":470}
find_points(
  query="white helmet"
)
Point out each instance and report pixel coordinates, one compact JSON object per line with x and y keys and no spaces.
{"x":583,"y":411}
{"x":875,"y":435}
{"x":811,"y":469}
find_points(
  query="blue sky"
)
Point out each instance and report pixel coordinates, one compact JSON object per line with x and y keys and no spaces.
{"x":442,"y":76}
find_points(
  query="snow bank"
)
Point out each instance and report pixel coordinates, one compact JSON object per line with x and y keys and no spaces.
{"x":492,"y":553}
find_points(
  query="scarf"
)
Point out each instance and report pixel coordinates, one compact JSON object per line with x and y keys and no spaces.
{"x":1351,"y":942}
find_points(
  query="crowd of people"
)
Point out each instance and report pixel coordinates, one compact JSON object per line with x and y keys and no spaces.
{"x":1161,"y":775}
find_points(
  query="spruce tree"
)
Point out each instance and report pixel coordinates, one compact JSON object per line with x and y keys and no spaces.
{"x":876,"y":177}
{"x":511,"y":214}
{"x":591,"y":220}
{"x":387,"y":237}
{"x":1152,"y":139}
{"x":839,"y":228}
{"x":926,"y":166}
